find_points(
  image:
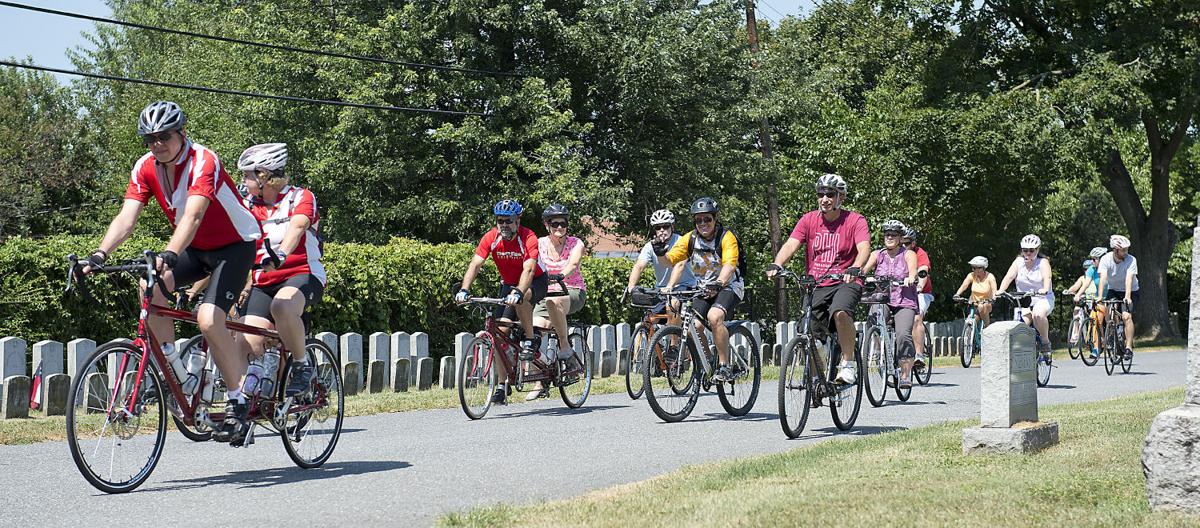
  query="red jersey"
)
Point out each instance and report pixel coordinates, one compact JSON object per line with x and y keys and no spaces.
{"x":830,"y":247}
{"x":510,"y":255}
{"x":275,"y":218}
{"x":197,"y":172}
{"x":923,"y":260}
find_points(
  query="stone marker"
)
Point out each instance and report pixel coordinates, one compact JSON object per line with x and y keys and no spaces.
{"x":1008,"y":395}
{"x":55,"y":389}
{"x":1169,"y":458}
{"x":331,"y":340}
{"x":78,"y":351}
{"x":781,"y":333}
{"x":418,"y":347}
{"x":461,"y":341}
{"x":12,"y":360}
{"x":446,"y":373}
{"x":764,"y":354}
{"x":424,"y":373}
{"x":350,"y":351}
{"x":351,"y":379}
{"x":96,"y":398}
{"x":400,"y":382}
{"x":16,"y":398}
{"x":48,"y":354}
{"x":379,"y":349}
{"x":608,"y":363}
{"x":622,"y":361}
{"x":624,"y":336}
{"x":595,"y":343}
{"x":776,"y":354}
{"x":375,"y":377}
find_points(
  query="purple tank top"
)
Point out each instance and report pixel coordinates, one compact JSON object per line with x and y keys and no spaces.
{"x":897,"y":269}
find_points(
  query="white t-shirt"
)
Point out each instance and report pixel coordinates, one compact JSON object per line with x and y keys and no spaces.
{"x":1116,"y":271}
{"x":662,"y":269}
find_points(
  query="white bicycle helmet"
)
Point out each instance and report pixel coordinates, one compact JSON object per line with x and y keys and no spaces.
{"x":661,"y":217}
{"x":1097,"y":252}
{"x":980,"y":261}
{"x":1031,"y":242}
{"x":161,"y":116}
{"x":832,"y":181}
{"x":267,"y":156}
{"x":1118,"y":242}
{"x":895,"y":226}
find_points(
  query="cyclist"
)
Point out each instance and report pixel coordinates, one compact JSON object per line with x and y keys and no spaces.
{"x":1031,"y":271}
{"x":1088,"y":285}
{"x":983,"y":288}
{"x":896,"y":262}
{"x":214,"y":234}
{"x":292,"y":278}
{"x":925,"y":297}
{"x":1118,"y":281}
{"x":560,"y":255}
{"x":662,"y":238}
{"x":523,"y":282}
{"x":713,"y":252}
{"x":838,"y":243}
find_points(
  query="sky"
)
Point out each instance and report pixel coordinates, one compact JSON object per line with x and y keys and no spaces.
{"x":46,"y":37}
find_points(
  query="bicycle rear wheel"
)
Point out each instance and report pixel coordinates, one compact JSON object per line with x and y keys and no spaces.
{"x":968,"y":342}
{"x":1075,"y":336}
{"x":313,"y":422}
{"x":115,"y":441}
{"x":1125,"y":363}
{"x":876,"y":369}
{"x":477,"y":377}
{"x":739,"y":396}
{"x":1089,"y":335}
{"x":1110,"y":349}
{"x":574,"y":389}
{"x":634,"y":380}
{"x":673,"y":392}
{"x":846,"y":400}
{"x":923,"y":374}
{"x":795,"y":377}
{"x":1044,"y":369}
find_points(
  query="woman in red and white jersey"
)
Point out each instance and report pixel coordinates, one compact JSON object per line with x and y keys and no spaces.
{"x":290,"y":278}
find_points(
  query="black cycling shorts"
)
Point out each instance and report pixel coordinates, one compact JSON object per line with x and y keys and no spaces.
{"x":727,"y":300}
{"x":1117,"y":295}
{"x":259,"y":304}
{"x":226,"y":267}
{"x":828,"y":300}
{"x":537,"y":292}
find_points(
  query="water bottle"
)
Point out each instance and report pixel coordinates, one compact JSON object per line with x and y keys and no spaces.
{"x":193,"y":361}
{"x":270,"y":365}
{"x":254,"y":375}
{"x":172,"y":354}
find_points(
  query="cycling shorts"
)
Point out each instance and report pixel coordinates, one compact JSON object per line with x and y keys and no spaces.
{"x":726,"y":300}
{"x":537,"y":292}
{"x":226,"y":267}
{"x":1117,"y":295}
{"x":259,"y":304}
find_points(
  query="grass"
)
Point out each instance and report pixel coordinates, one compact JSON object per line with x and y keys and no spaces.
{"x":917,"y":477}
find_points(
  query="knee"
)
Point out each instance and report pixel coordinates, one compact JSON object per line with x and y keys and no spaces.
{"x":285,"y":309}
{"x":210,"y":318}
{"x":716,"y":317}
{"x":843,"y":317}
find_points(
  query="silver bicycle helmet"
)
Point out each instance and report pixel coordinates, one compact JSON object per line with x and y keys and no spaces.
{"x":1031,"y":242}
{"x":161,"y":116}
{"x":894,"y":226}
{"x":1098,"y":252}
{"x":979,"y":262}
{"x":267,"y":156}
{"x":832,"y":181}
{"x":662,"y":217}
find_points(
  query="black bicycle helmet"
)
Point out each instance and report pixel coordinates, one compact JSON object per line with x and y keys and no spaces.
{"x":705,"y":205}
{"x":554,"y":210}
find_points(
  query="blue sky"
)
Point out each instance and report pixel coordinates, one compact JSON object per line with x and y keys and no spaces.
{"x":46,"y":37}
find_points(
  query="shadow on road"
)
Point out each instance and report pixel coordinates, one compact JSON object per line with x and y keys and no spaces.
{"x":861,"y":430}
{"x":1059,"y":387}
{"x":283,"y":475}
{"x":748,"y":417}
{"x":561,"y":411}
{"x":931,"y":384}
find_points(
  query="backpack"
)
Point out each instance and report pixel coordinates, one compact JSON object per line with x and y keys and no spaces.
{"x":720,"y":235}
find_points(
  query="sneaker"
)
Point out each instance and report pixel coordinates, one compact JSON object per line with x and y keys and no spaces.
{"x":232,"y":430}
{"x":301,"y":374}
{"x":919,"y":361}
{"x":905,"y":383}
{"x":847,"y":374}
{"x":529,"y":348}
{"x":500,"y":397}
{"x":1047,"y":357}
{"x":723,"y":374}
{"x":538,"y":392}
{"x":1128,"y":354}
{"x":1095,"y":353}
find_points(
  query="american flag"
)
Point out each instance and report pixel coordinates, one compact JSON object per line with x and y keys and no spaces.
{"x":35,"y":391}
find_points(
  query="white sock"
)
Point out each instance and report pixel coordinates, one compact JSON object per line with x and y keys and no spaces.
{"x":235,"y":394}
{"x":302,"y":361}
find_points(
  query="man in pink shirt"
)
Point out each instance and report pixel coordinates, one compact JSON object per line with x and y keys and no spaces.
{"x":837,"y":243}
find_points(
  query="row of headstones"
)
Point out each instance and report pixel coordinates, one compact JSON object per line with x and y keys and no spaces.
{"x":945,"y":336}
{"x":59,"y":365}
{"x":392,"y":363}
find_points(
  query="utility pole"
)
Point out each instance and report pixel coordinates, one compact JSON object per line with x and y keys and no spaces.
{"x":764,"y":145}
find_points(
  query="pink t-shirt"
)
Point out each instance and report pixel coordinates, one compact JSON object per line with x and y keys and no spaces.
{"x":830,"y":247}
{"x":554,"y":262}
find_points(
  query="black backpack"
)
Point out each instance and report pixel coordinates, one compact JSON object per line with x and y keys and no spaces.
{"x":720,"y":235}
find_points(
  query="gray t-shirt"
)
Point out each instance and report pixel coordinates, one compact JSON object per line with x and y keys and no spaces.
{"x":1117,"y":271}
{"x":662,"y":269}
{"x":707,"y":259}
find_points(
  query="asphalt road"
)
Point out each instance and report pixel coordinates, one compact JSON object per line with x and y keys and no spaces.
{"x":405,"y":469}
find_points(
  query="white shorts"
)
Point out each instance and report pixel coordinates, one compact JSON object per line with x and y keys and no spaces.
{"x":923,"y":302}
{"x":1047,"y":301}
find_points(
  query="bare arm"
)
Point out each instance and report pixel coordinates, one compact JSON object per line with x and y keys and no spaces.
{"x":636,"y":273}
{"x":472,"y":271}
{"x":296,"y":227}
{"x":910,"y":259}
{"x":122,"y":226}
{"x":1008,"y":277}
{"x":573,"y":261}
{"x":676,"y":273}
{"x":786,"y":251}
{"x":871,"y":263}
{"x":1047,"y":285}
{"x":966,"y":283}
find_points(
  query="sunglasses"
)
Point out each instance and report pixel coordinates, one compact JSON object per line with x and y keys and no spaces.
{"x":827,"y":194}
{"x":891,"y":234}
{"x":504,"y":221}
{"x":1028,"y":250}
{"x":150,"y":139}
{"x":557,"y":224}
{"x":664,"y":227}
{"x":704,"y":220}
{"x":977,"y":268}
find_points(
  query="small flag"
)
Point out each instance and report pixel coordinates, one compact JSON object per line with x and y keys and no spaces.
{"x":35,"y":392}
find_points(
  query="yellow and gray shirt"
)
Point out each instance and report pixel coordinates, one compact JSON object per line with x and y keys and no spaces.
{"x":706,"y":261}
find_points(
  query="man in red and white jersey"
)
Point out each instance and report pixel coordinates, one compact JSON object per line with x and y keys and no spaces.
{"x":925,"y":292}
{"x":214,"y":234}
{"x":838,"y":243}
{"x":291,"y":278}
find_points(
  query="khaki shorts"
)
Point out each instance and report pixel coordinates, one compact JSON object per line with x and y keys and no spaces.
{"x":577,"y":296}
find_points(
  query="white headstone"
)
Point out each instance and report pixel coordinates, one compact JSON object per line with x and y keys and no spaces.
{"x":78,"y":351}
{"x":1008,"y":375}
{"x":624,"y":336}
{"x":401,"y":342}
{"x":350,"y":345}
{"x":595,"y":342}
{"x":781,"y":337}
{"x":609,"y":338}
{"x":12,"y":357}
{"x":331,"y":340}
{"x":379,"y":348}
{"x":418,"y":347}
{"x":49,"y":355}
{"x":461,"y":341}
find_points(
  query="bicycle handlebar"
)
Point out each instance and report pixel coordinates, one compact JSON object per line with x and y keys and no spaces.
{"x":143,"y":265}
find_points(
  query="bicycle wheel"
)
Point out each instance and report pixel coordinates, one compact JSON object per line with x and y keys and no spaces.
{"x":115,"y":441}
{"x":1043,"y":368}
{"x":672,"y":393}
{"x":313,"y":422}
{"x":477,"y":377}
{"x":200,"y":433}
{"x":739,"y":396}
{"x":901,"y":394}
{"x":795,"y":375}
{"x":847,"y":399}
{"x":634,"y":382}
{"x":876,"y":368}
{"x":1075,"y":331}
{"x":968,"y":342}
{"x":1089,"y":337}
{"x":923,"y":374}
{"x":1110,"y":348}
{"x":1125,"y":364}
{"x":574,"y":389}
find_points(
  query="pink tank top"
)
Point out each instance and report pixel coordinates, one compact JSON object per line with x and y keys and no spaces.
{"x":896,"y":268}
{"x":554,"y":262}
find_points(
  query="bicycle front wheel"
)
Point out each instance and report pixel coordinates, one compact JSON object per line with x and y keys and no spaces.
{"x":968,"y":343}
{"x":477,"y":377}
{"x":115,"y":433}
{"x":847,"y":399}
{"x":925,"y":372}
{"x":1090,"y":337}
{"x":1111,"y":357}
{"x":671,"y":385}
{"x":738,"y":396}
{"x":877,"y":366}
{"x":634,"y":382}
{"x":575,"y":387}
{"x":795,"y":377}
{"x":313,"y":422}
{"x":1043,"y":370}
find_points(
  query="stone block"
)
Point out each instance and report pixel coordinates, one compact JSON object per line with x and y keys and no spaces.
{"x":375,"y":376}
{"x":446,"y":373}
{"x":78,"y":352}
{"x":55,"y":389}
{"x":1022,"y":438}
{"x":622,"y":361}
{"x":331,"y":340}
{"x":379,"y":349}
{"x":781,"y":337}
{"x":1008,"y":383}
{"x":595,"y":343}
{"x":624,"y":336}
{"x":608,"y":363}
{"x":96,"y":394}
{"x":776,"y":354}
{"x":16,"y":398}
{"x":461,"y":341}
{"x":764,"y":354}
{"x":350,"y":351}
{"x":12,"y":357}
{"x":424,"y":373}
{"x":418,"y":347}
{"x":400,"y":375}
{"x":351,"y":379}
{"x":1170,"y":462}
{"x":49,"y":355}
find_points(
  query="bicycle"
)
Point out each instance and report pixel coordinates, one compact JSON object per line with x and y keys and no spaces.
{"x":806,"y":370}
{"x":123,"y":386}
{"x":972,"y":333}
{"x":477,"y":376}
{"x":1082,"y":334}
{"x":879,"y":343}
{"x":1021,"y":302}
{"x":1113,"y":337}
{"x":652,"y":302}
{"x":673,"y":381}
{"x":923,"y":373}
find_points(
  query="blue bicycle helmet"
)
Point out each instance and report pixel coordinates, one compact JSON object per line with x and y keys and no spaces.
{"x":507,"y":208}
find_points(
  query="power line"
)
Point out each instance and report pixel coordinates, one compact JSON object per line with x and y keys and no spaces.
{"x":258,"y":44}
{"x":242,"y":93}
{"x":781,"y":15}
